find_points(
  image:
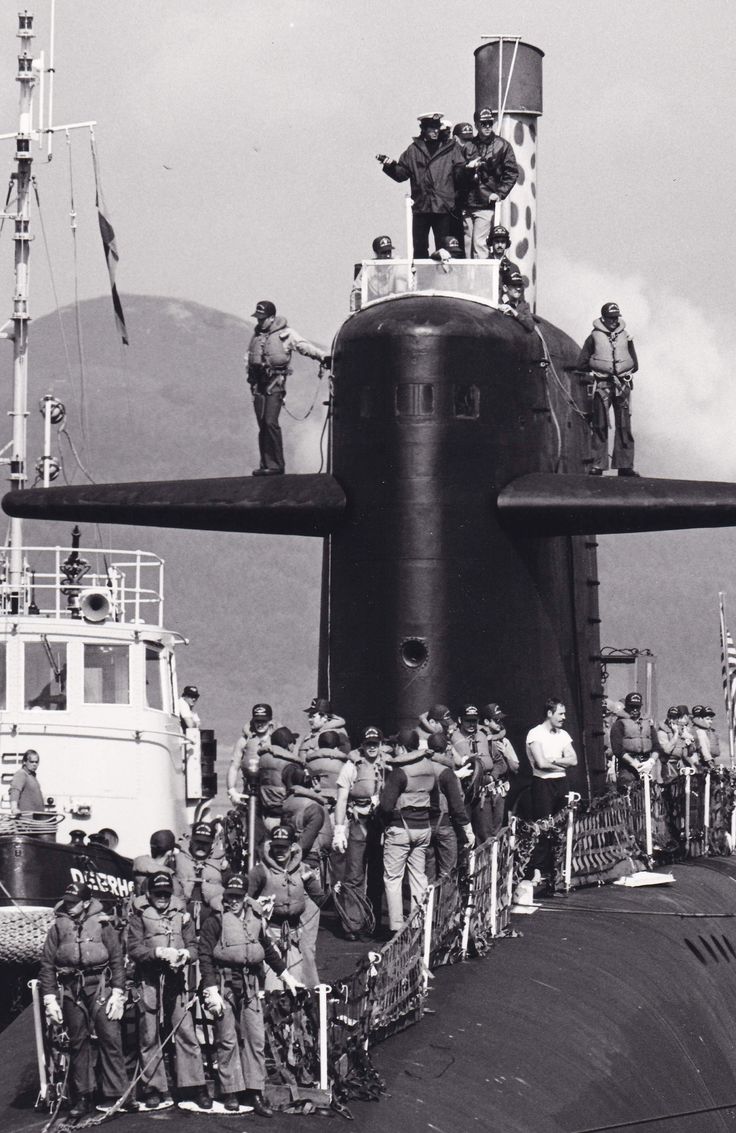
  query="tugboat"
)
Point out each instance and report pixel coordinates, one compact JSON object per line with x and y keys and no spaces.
{"x":87,"y":668}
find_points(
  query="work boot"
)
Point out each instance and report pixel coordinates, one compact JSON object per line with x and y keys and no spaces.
{"x":230,"y":1103}
{"x":106,"y":1104}
{"x":202,"y":1099}
{"x":259,"y":1103}
{"x":595,"y":471}
{"x":154,"y":1099}
{"x":268,"y":471}
{"x":81,"y":1107}
{"x":627,"y":472}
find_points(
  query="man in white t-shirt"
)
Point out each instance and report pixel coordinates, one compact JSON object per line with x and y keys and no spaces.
{"x":550,"y":751}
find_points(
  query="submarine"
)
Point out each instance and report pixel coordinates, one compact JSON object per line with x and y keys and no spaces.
{"x":457,"y":515}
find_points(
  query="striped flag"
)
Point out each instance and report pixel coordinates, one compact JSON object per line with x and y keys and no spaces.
{"x":728,"y":669}
{"x":111,"y":252}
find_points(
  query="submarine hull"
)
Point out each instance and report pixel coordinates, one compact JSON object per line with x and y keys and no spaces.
{"x":440,"y":401}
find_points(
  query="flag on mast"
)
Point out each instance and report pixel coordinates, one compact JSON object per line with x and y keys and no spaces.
{"x":728,"y":668}
{"x":108,"y":243}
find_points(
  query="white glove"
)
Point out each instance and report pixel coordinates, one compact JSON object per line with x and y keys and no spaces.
{"x":168,"y":955}
{"x":233,"y":794}
{"x":115,"y":1005}
{"x":53,"y":1010}
{"x":213,"y":1002}
{"x":469,"y":836}
{"x":292,"y":984}
{"x":340,"y":838}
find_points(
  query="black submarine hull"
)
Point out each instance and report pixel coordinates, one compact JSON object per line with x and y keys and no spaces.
{"x":440,"y":402}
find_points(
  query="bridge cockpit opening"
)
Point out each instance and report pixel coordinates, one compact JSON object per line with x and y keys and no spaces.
{"x":383,"y":279}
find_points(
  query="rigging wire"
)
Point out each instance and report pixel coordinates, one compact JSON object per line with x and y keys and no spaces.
{"x":77,"y":314}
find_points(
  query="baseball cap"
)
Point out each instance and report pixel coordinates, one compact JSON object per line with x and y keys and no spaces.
{"x":76,"y":891}
{"x":371,"y":735}
{"x":236,"y":884}
{"x":516,"y":280}
{"x":162,"y":841}
{"x":203,"y":832}
{"x":463,"y":130}
{"x":469,"y":712}
{"x":281,"y":835}
{"x":633,"y":700}
{"x":683,"y":710}
{"x":190,"y":690}
{"x":265,"y":309}
{"x":319,"y":704}
{"x":161,"y":883}
{"x":261,"y":712}
{"x":438,"y":712}
{"x":501,"y":233}
{"x":673,"y":712}
{"x":698,"y":710}
{"x":452,"y":245}
{"x":492,"y":712}
{"x":485,"y":114}
{"x":382,"y":244}
{"x":610,"y":310}
{"x":709,"y":712}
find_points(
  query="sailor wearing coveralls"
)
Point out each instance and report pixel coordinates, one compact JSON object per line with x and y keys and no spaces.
{"x":161,"y":944}
{"x":609,"y":353}
{"x":269,"y":356}
{"x":84,"y":954}
{"x":232,"y":948}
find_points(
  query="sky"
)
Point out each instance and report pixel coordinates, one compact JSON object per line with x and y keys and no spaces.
{"x":237,"y":141}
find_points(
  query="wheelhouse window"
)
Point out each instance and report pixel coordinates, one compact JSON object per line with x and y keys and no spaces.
{"x":465,"y":400}
{"x":45,"y":675}
{"x":157,"y":695}
{"x":415,"y":399}
{"x":106,"y":674}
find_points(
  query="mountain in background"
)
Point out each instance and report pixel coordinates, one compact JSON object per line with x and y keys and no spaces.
{"x":175,"y":403}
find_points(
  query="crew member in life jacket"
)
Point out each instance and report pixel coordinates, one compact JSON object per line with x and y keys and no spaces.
{"x":276,"y":756}
{"x":515,"y":305}
{"x":161,"y":944}
{"x":233,"y":947}
{"x":447,"y":813}
{"x":482,"y":806}
{"x":499,"y":242}
{"x":676,"y":741}
{"x":706,"y":737}
{"x":268,"y":358}
{"x":325,"y":762}
{"x":283,"y":881}
{"x":504,"y":759}
{"x":403,"y":807}
{"x":322,"y":719}
{"x":307,"y":814}
{"x":161,"y":859}
{"x":634,"y":744}
{"x":358,"y":834}
{"x":199,"y":871}
{"x":609,"y":353}
{"x":254,"y":740}
{"x":438,"y":718}
{"x":82,"y":981}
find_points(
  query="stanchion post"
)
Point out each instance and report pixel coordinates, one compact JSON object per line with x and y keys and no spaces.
{"x":494,"y":887}
{"x":428,"y":919}
{"x":572,"y":798}
{"x":647,"y":780}
{"x":469,"y":904}
{"x":706,"y":813}
{"x":510,"y":860}
{"x":688,"y":772}
{"x":323,"y":991}
{"x":40,"y":1052}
